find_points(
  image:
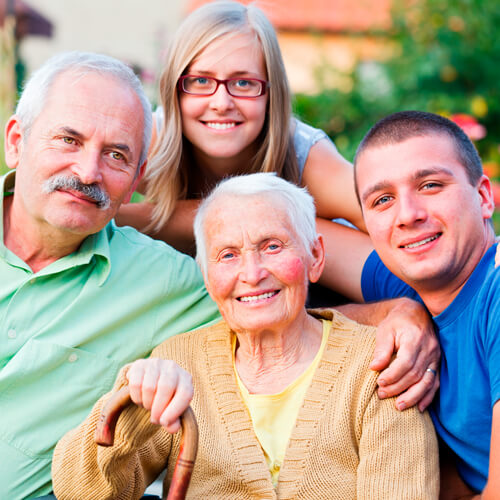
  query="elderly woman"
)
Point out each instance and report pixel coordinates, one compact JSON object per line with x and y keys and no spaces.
{"x":285,"y":402}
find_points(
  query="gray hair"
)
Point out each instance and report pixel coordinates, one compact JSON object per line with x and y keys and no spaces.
{"x":299,"y":205}
{"x":36,"y":89}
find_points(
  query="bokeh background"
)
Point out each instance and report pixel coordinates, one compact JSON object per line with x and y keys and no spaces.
{"x":350,"y":62}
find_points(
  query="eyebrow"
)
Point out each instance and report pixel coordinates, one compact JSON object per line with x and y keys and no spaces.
{"x":419,"y":174}
{"x":72,"y":131}
{"x":235,"y":74}
{"x":121,"y":147}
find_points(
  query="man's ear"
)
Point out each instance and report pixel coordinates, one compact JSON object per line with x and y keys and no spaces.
{"x":13,"y":142}
{"x":318,"y":259}
{"x":135,"y":183}
{"x":486,"y":196}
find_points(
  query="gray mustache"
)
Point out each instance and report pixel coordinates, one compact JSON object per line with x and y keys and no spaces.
{"x":92,"y":191}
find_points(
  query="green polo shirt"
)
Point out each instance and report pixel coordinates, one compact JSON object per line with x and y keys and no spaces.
{"x":67,"y":329}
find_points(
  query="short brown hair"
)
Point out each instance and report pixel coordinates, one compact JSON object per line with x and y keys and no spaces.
{"x":404,"y":125}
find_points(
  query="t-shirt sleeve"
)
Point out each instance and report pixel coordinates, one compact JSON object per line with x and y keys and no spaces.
{"x":378,"y":283}
{"x":304,"y":138}
{"x":492,"y":345}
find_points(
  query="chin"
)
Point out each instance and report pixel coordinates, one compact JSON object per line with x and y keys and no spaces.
{"x":80,"y":226}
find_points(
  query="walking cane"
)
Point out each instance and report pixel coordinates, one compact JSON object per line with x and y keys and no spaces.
{"x":105,"y":434}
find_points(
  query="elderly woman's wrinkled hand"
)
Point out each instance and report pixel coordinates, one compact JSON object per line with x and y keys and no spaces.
{"x":162,"y":387}
{"x":413,"y":373}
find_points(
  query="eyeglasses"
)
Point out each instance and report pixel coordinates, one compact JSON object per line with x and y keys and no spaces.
{"x":246,"y":88}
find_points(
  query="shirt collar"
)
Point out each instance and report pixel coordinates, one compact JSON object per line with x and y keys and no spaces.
{"x":94,"y":246}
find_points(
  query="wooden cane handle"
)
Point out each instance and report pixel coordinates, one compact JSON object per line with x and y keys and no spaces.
{"x":105,"y":434}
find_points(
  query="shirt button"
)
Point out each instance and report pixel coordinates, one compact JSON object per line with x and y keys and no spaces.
{"x":72,"y":358}
{"x":12,"y":334}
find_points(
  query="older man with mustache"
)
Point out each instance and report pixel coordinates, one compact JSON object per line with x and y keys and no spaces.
{"x":78,"y":296}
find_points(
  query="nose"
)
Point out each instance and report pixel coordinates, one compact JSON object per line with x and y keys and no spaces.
{"x":252,"y":271}
{"x":222,"y":99}
{"x":88,"y":167}
{"x":411,"y":210}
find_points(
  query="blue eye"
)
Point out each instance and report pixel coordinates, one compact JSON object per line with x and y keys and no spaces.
{"x":382,"y":200}
{"x":273,"y":247}
{"x":430,"y":185}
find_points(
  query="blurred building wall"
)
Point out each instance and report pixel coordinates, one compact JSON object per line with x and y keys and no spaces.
{"x":137,"y":32}
{"x":134,"y":31}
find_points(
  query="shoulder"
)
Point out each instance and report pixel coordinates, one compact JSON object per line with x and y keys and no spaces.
{"x":304,"y":138}
{"x":492,"y":272}
{"x":127,"y":242}
{"x":304,"y":133}
{"x":378,"y":282}
{"x":150,"y":261}
{"x":483,"y":287}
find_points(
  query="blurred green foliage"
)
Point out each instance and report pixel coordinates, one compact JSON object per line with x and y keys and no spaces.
{"x":446,"y":60}
{"x":3,"y":167}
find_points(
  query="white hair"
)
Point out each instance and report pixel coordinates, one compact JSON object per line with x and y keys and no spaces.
{"x":299,"y":206}
{"x":36,"y":89}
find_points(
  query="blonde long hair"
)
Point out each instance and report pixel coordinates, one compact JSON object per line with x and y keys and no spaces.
{"x":167,"y":173}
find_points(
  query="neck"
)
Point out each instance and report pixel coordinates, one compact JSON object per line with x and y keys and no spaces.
{"x":37,"y":247}
{"x":213,"y":169}
{"x":268,"y":361}
{"x":438,"y":297}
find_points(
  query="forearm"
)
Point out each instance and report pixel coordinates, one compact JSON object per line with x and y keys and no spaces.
{"x":177,"y":231}
{"x":346,"y":252}
{"x":136,"y":215}
{"x":375,"y":312}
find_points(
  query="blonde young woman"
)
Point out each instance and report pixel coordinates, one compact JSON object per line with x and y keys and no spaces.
{"x":226,"y":110}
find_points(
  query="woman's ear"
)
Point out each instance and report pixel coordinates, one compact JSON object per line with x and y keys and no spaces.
{"x":317,"y":259}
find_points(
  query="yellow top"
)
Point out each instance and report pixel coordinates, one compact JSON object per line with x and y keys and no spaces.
{"x":274,"y":415}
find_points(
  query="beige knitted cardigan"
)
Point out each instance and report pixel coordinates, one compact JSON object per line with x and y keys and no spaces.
{"x":346,"y":443}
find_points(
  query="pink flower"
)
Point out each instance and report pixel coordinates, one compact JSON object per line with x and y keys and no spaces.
{"x":469,"y":125}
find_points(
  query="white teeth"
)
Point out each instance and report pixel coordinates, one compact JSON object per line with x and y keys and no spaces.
{"x":251,"y":298}
{"x":422,"y":242}
{"x":220,"y":126}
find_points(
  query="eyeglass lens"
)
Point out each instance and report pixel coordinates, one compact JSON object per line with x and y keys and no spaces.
{"x":238,"y":87}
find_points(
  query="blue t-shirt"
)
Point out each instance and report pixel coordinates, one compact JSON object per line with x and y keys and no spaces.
{"x":469,"y":334}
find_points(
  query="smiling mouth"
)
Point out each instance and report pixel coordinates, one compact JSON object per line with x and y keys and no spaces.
{"x":220,"y":126}
{"x":262,"y":296}
{"x":417,"y":244}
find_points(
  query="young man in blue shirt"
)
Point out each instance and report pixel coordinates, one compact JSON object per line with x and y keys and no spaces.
{"x":428,"y":207}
